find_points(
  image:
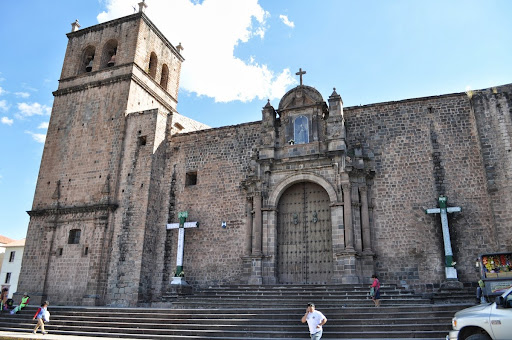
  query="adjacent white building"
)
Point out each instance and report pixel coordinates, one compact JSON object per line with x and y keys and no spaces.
{"x":3,"y":241}
{"x":11,"y":265}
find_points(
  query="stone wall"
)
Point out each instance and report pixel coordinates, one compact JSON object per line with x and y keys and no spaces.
{"x":220,"y":158}
{"x":423,"y":148}
{"x":136,"y":217}
{"x":493,"y":112}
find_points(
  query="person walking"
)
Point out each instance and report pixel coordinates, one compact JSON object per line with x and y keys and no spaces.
{"x":376,"y":290}
{"x":315,"y":320}
{"x":42,"y":316}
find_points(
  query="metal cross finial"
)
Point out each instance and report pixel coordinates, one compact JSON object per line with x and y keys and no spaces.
{"x":300,"y":73}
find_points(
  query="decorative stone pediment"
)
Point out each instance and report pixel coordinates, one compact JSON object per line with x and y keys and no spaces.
{"x":300,"y":96}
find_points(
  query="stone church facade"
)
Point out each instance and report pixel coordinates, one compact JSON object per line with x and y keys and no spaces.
{"x":314,"y":193}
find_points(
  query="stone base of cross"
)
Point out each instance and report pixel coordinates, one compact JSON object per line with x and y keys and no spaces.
{"x":181,"y":243}
{"x":450,"y":271}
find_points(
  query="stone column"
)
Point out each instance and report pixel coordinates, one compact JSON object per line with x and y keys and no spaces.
{"x":248,"y":228}
{"x":257,"y":226}
{"x":365,"y":220}
{"x":347,"y":210}
{"x":356,"y":219}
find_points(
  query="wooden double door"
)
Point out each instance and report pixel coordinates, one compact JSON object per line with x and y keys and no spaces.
{"x":304,"y":235}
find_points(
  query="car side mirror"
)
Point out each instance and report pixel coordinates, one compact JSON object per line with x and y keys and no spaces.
{"x":500,"y":301}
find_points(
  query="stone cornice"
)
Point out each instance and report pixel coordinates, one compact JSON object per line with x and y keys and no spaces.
{"x":89,"y":85}
{"x":84,"y":209}
{"x":116,"y":79}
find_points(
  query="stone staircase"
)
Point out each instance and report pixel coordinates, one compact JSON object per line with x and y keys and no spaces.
{"x":255,"y":312}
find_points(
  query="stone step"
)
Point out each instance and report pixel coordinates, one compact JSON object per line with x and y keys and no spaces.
{"x":320,"y":303}
{"x":295,"y":295}
{"x":235,"y":330}
{"x":224,"y":314}
{"x":251,"y":335}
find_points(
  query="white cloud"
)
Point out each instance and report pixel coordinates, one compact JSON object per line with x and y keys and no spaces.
{"x":3,"y":105}
{"x":286,"y":21}
{"x":28,"y":87}
{"x":43,"y":125}
{"x":34,"y":109}
{"x":22,"y":94}
{"x":2,"y":91}
{"x":7,"y":121}
{"x":209,"y":32}
{"x":38,"y":137}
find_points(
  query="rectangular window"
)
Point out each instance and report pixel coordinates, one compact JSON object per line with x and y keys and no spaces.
{"x":142,"y":140}
{"x":7,"y":277}
{"x":191,"y":178}
{"x":11,"y":257}
{"x":74,"y":236}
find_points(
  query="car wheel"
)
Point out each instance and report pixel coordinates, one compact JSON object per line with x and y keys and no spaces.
{"x":479,"y":337}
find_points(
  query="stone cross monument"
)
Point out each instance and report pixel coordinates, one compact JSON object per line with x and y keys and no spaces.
{"x":450,"y":271}
{"x":181,"y":238}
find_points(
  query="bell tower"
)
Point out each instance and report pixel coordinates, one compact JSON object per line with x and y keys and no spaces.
{"x":110,"y":120}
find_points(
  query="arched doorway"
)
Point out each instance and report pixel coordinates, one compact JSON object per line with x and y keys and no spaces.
{"x":304,"y":236}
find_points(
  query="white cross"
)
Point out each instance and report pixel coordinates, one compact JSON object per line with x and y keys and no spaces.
{"x":181,"y":238}
{"x":451,"y":272}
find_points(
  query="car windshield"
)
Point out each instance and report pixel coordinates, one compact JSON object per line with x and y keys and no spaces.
{"x":508,"y":293}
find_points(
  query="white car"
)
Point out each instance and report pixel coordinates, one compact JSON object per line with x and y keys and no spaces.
{"x":485,"y":321}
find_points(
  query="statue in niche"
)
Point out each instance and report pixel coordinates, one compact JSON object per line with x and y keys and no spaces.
{"x":301,"y":130}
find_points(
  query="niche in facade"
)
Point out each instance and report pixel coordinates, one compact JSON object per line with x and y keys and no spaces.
{"x":301,"y":130}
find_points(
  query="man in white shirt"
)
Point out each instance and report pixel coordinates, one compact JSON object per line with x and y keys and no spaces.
{"x":315,"y":321}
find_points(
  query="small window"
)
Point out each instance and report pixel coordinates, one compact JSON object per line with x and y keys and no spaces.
{"x":86,"y":251}
{"x":59,"y":251}
{"x":191,"y":178}
{"x":11,"y":257}
{"x":142,"y":140}
{"x":7,"y":277}
{"x":74,"y":236}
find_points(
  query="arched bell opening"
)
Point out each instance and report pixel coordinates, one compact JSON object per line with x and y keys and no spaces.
{"x":87,"y":59}
{"x":165,"y":76}
{"x":108,"y":55}
{"x":153,"y":63}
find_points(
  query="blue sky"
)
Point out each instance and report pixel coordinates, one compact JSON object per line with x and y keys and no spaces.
{"x":240,"y":53}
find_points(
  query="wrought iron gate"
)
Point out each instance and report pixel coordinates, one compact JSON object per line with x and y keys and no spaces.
{"x":304,"y":237}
